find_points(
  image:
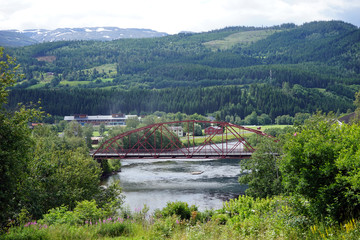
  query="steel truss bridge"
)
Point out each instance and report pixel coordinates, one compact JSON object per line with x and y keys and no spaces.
{"x":161,"y":140}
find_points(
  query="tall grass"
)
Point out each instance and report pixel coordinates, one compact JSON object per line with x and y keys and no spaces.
{"x":242,"y":218}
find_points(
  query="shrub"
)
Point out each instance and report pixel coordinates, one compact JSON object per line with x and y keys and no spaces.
{"x":84,"y":211}
{"x":87,"y":211}
{"x":180,"y":209}
{"x":164,"y":227}
{"x":220,"y":218}
{"x":114,"y":229}
{"x":31,"y":231}
{"x":321,"y":164}
{"x":59,"y":215}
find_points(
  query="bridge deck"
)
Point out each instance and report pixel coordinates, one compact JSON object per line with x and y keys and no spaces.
{"x":170,"y":155}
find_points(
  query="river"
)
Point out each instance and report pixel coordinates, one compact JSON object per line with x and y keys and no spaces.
{"x":155,"y":182}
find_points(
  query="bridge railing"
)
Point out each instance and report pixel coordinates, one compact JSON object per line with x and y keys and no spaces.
{"x":160,"y":153}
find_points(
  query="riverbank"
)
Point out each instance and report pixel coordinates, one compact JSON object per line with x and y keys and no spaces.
{"x":243,"y":218}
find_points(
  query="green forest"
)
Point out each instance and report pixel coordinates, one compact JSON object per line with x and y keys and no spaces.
{"x":233,"y":71}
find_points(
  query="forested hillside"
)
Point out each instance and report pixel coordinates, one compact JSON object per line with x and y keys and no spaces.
{"x":237,"y":70}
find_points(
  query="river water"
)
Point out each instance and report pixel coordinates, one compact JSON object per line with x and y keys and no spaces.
{"x":155,"y":182}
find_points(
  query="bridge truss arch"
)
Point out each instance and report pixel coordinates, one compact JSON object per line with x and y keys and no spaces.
{"x":162,"y":140}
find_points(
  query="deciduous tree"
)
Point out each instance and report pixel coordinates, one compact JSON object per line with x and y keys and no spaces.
{"x":261,"y":172}
{"x":15,"y":144}
{"x":321,"y":163}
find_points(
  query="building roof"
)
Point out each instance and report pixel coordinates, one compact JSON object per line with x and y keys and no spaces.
{"x":97,"y":117}
{"x":347,"y":118}
{"x":175,"y":127}
{"x":214,"y":127}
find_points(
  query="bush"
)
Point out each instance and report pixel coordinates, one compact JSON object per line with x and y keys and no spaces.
{"x":114,"y":229}
{"x":59,"y":215}
{"x":321,"y":164}
{"x":84,"y":211}
{"x":220,"y":218}
{"x":164,"y":227}
{"x":180,"y":209}
{"x":29,"y":232}
{"x":88,"y":211}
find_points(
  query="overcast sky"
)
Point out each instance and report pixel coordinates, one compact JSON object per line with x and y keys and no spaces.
{"x":171,"y":16}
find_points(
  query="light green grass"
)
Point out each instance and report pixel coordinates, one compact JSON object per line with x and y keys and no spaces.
{"x":230,"y":136}
{"x":97,"y":134}
{"x":264,"y":127}
{"x":245,"y":38}
{"x":36,"y":86}
{"x":106,"y":68}
{"x":106,"y":79}
{"x":74,"y":83}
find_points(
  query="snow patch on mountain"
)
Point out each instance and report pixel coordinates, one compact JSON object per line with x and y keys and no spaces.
{"x":87,"y":33}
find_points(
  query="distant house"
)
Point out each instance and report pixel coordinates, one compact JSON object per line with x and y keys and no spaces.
{"x":213,"y":130}
{"x":177,"y":130}
{"x":96,"y":140}
{"x":347,"y":118}
{"x":211,"y":118}
{"x":109,"y":120}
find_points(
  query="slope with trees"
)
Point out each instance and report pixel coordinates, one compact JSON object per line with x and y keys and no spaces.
{"x":309,"y":67}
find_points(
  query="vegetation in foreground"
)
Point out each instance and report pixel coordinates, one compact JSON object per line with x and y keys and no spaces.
{"x":242,"y":218}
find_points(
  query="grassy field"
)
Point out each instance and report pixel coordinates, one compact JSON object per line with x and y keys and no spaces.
{"x":39,"y":85}
{"x":264,"y":127}
{"x":74,"y":83}
{"x":106,"y":68}
{"x":106,"y":79}
{"x":230,"y":136}
{"x":242,"y":38}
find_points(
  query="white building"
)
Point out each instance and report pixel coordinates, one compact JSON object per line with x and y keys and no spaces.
{"x":177,"y":130}
{"x":110,"y":120}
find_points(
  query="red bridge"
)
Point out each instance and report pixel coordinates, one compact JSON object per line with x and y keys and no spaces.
{"x":181,"y":139}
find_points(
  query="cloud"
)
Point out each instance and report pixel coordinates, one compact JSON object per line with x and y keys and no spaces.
{"x":171,"y":16}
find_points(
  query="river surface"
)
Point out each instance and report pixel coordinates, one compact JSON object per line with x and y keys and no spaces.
{"x":155,"y":182}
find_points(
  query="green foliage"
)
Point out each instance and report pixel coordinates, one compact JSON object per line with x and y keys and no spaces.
{"x":73,"y":129}
{"x":7,"y":75}
{"x":59,"y":215}
{"x":284,"y":120}
{"x":302,"y":69}
{"x":102,"y":129}
{"x":88,"y":211}
{"x":15,"y":144}
{"x":242,"y":218}
{"x":235,"y":101}
{"x":256,"y":218}
{"x":59,"y":176}
{"x":320,"y":163}
{"x":179,"y":209}
{"x":32,"y":232}
{"x":261,"y":172}
{"x":132,"y":122}
{"x":115,"y":229}
{"x":278,"y":132}
{"x":110,"y":199}
{"x":88,"y":133}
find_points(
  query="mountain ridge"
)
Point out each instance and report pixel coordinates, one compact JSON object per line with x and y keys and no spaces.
{"x":18,"y":38}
